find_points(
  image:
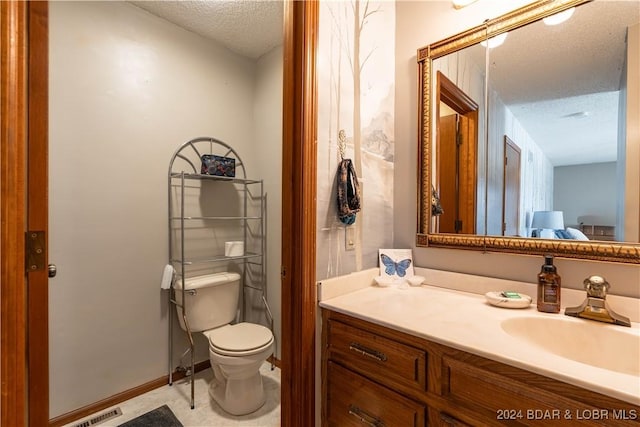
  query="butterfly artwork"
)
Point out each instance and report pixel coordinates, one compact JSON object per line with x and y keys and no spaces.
{"x":396,"y":263}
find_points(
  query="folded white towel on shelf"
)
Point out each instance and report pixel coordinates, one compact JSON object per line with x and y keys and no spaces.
{"x":167,"y":277}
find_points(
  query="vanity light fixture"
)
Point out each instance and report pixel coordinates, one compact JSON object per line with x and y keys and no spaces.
{"x":459,"y":4}
{"x":559,"y":18}
{"x":495,"y":41}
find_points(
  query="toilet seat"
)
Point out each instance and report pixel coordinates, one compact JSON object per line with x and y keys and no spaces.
{"x":241,"y":339}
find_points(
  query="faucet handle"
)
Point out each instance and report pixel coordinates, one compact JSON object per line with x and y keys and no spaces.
{"x":596,"y":286}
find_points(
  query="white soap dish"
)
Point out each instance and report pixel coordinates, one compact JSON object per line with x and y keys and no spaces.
{"x":415,"y":280}
{"x":385,"y":282}
{"x":500,"y":300}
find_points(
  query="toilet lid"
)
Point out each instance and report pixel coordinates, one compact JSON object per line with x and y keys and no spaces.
{"x":240,"y":337}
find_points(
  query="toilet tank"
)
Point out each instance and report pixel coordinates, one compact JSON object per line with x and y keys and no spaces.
{"x":211,"y":300}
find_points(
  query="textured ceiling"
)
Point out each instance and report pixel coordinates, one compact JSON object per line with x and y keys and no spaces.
{"x":248,"y":27}
{"x":569,"y":69}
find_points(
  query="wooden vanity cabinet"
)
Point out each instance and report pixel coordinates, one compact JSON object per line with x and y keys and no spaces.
{"x":376,"y":376}
{"x":357,"y":401}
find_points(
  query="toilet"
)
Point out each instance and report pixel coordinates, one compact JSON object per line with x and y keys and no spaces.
{"x":236,"y":351}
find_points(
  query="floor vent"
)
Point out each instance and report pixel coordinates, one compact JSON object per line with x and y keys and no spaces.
{"x":100,"y":418}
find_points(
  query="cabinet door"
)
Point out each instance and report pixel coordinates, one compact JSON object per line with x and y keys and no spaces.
{"x":355,"y":401}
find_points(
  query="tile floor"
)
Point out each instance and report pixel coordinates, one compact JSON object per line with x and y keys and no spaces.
{"x":207,"y":413}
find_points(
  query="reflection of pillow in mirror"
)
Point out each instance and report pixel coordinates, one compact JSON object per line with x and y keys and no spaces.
{"x":547,"y":234}
{"x":576,"y":234}
{"x":563,"y":234}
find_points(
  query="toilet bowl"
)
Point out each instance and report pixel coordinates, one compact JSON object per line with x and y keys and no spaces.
{"x":236,"y":353}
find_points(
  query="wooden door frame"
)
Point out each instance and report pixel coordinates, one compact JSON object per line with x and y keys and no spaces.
{"x":299,"y":170}
{"x":24,"y":162}
{"x":13,"y":189}
{"x":298,"y":211}
{"x":38,"y":213}
{"x":509,"y":143}
{"x":464,"y":105}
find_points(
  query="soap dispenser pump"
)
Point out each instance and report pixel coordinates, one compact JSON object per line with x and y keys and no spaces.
{"x":548,"y":287}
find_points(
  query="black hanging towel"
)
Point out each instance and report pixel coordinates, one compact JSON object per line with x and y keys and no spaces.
{"x":348,"y":192}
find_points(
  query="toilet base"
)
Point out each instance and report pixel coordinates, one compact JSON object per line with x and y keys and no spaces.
{"x":237,"y":396}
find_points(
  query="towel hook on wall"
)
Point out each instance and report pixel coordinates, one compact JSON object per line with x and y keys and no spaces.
{"x":342,"y":143}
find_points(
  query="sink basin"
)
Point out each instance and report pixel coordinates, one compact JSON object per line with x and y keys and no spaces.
{"x":596,"y":344}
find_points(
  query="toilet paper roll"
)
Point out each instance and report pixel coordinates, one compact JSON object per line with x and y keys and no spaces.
{"x":167,"y":277}
{"x":234,"y":248}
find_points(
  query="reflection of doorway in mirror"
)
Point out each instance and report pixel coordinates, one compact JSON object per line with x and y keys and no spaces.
{"x":456,"y":158}
{"x":511,"y":189}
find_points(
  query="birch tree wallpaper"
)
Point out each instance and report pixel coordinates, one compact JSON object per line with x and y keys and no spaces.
{"x":356,"y":74}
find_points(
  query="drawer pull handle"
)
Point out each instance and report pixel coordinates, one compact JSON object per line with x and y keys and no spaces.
{"x":365,"y":418}
{"x":450,"y":421}
{"x":368,"y":352}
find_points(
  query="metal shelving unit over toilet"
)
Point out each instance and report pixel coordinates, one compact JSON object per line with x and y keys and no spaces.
{"x":185,"y":167}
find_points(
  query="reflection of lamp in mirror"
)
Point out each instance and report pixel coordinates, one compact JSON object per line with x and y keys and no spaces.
{"x":495,"y":41}
{"x":545,"y":222}
{"x":459,"y":4}
{"x":558,"y":18}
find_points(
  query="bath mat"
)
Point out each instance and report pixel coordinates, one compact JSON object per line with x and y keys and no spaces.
{"x":159,"y":417}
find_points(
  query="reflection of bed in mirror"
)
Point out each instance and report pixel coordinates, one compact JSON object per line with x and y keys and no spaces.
{"x":597,"y":228}
{"x":551,"y":225}
{"x":584,"y":232}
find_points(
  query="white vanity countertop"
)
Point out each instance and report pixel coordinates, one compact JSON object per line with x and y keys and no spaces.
{"x":467,"y":322}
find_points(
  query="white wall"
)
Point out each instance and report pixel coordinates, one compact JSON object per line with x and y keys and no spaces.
{"x":632,"y":140}
{"x":373,"y":228}
{"x":586,"y":190}
{"x":126,"y":89}
{"x":536,"y":171}
{"x":419,"y":24}
{"x":268,"y":146}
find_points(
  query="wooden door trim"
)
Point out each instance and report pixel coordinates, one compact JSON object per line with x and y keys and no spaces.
{"x":514,"y":146}
{"x":465,"y":106}
{"x":299,"y":159}
{"x":38,"y":212}
{"x":13,"y":188}
{"x":452,"y":95}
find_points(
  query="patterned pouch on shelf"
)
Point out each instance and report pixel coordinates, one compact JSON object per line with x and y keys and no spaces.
{"x":218,"y":165}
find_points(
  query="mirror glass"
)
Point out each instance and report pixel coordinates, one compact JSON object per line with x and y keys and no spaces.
{"x":459,"y":140}
{"x":557,"y":113}
{"x":554,"y":142}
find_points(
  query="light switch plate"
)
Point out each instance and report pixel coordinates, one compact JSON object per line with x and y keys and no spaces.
{"x":350,"y":238}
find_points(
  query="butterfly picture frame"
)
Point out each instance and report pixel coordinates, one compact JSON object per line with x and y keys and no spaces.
{"x":396,"y":263}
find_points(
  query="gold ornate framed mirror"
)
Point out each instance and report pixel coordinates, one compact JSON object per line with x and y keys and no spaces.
{"x":482,"y":218}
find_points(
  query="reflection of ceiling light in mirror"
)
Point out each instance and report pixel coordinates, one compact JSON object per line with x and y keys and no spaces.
{"x":459,"y":4}
{"x":495,"y":41}
{"x":559,"y":18}
{"x":578,"y":115}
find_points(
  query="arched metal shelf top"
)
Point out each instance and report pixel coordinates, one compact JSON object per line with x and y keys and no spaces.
{"x":189,"y":155}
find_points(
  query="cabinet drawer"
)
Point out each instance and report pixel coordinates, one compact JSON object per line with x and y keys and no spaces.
{"x":376,"y":357}
{"x":446,"y":420}
{"x":356,"y":401}
{"x":509,"y":401}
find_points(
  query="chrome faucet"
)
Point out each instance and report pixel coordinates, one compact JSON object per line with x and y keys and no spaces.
{"x":595,"y":307}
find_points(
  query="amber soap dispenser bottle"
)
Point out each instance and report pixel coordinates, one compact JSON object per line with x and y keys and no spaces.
{"x":548,"y":287}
